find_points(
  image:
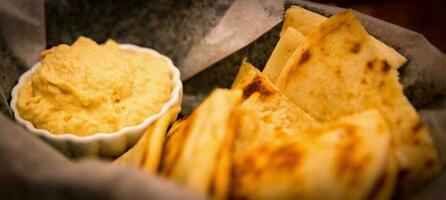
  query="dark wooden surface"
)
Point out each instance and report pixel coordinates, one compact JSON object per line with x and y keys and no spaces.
{"x":424,"y":16}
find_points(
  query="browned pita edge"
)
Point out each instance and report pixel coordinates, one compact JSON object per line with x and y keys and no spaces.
{"x":146,"y":153}
{"x":175,"y":140}
{"x":207,"y":133}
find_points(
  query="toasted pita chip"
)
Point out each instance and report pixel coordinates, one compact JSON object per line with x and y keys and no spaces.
{"x":302,"y":20}
{"x":136,"y":155}
{"x":328,"y":80}
{"x":415,"y":150}
{"x":205,"y":138}
{"x":288,"y":42}
{"x":306,"y":22}
{"x":384,"y":186}
{"x":272,"y":110}
{"x":175,"y":140}
{"x":339,"y":160}
{"x":146,"y":153}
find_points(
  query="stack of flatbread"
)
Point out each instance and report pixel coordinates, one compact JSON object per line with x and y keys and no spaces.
{"x":326,"y":119}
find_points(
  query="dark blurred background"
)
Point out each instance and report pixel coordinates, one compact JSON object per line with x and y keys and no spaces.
{"x":424,"y":16}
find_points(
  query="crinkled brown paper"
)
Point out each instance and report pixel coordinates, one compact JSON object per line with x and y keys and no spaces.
{"x":207,"y":40}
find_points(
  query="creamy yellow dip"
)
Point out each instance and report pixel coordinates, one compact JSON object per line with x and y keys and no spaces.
{"x":88,"y":88}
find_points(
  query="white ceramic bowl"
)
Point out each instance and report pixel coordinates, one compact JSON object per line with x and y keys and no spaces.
{"x":101,"y":144}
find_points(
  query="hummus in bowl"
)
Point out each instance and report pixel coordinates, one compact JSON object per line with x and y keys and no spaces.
{"x":90,"y":99}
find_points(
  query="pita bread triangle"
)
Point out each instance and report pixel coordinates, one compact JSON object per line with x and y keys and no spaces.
{"x":338,"y":160}
{"x":306,"y":22}
{"x":197,"y":153}
{"x":288,"y":42}
{"x":339,"y":71}
{"x":273,"y":112}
